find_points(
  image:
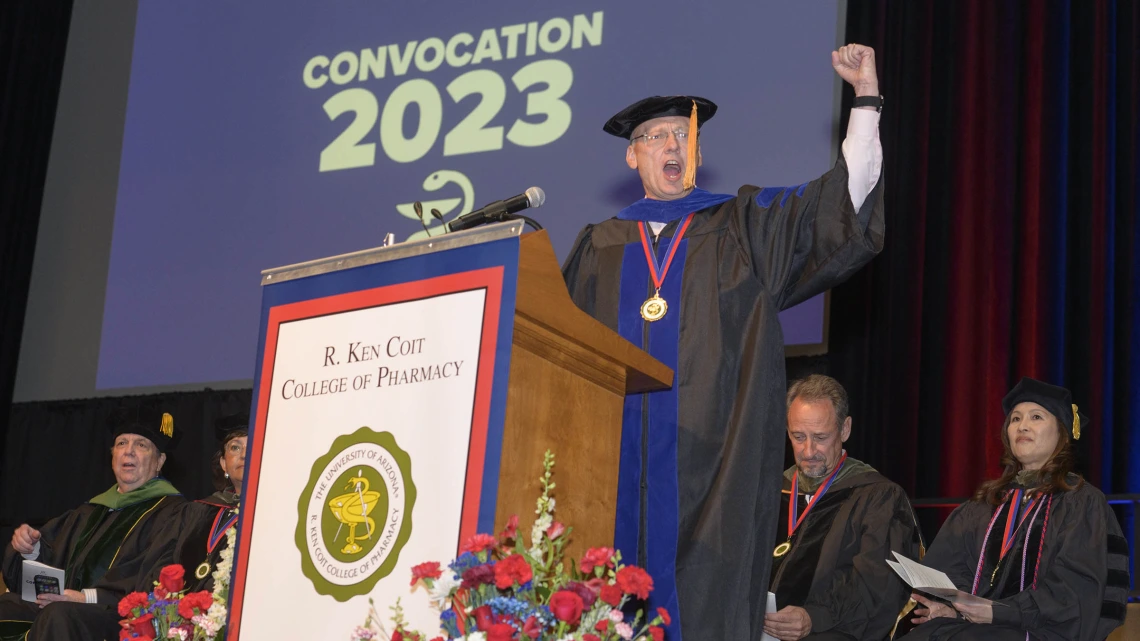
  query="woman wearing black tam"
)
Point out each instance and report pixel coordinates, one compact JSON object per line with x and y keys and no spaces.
{"x":196,"y":536}
{"x":1039,"y":541}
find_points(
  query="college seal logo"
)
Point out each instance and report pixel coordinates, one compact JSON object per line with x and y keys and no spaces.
{"x":355,"y":514}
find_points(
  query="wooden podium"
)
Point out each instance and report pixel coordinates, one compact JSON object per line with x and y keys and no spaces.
{"x":569,"y":378}
{"x":404,"y":397}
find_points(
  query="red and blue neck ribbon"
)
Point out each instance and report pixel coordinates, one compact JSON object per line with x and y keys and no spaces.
{"x":1014,"y":517}
{"x":656,"y":270}
{"x":793,"y":505}
{"x":218,"y":531}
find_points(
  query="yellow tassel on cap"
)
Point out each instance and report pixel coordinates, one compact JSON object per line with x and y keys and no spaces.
{"x":690,"y":179}
{"x":1076,"y":424}
{"x":167,"y":425}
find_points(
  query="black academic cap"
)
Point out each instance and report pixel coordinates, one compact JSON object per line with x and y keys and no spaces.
{"x":1056,"y":400}
{"x":227,"y":425}
{"x":625,"y":121}
{"x":146,"y":419}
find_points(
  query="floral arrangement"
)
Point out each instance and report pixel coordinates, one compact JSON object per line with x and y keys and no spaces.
{"x":168,"y":612}
{"x":500,"y":590}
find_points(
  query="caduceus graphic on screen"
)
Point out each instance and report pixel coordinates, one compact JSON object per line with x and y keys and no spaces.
{"x":352,"y":509}
{"x":442,"y":209}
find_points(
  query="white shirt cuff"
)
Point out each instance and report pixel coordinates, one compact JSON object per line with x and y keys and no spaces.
{"x":91,"y":595}
{"x":35,"y":552}
{"x":864,"y":154}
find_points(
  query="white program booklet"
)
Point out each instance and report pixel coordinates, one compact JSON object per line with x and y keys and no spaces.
{"x":930,"y":581}
{"x":770,"y":610}
{"x":39,"y":579}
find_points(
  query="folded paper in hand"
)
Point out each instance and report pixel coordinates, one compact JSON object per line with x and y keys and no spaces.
{"x":770,"y":610}
{"x":933,"y":582}
{"x":39,"y":578}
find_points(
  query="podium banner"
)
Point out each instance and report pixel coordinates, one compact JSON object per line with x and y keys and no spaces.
{"x":379,"y":407}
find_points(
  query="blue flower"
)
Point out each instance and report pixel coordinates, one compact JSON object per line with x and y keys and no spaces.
{"x":448,"y":623}
{"x":465,"y":562}
{"x":521,"y":610}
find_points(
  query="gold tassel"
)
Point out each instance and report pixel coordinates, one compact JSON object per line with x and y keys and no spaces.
{"x":1076,"y":424}
{"x":167,"y":425}
{"x":690,"y":180}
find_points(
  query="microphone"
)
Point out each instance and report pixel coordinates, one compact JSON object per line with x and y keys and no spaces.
{"x":499,"y":210}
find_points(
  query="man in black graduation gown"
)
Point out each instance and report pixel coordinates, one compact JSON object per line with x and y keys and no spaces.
{"x":700,"y":470}
{"x":829,"y":573}
{"x":100,"y":545}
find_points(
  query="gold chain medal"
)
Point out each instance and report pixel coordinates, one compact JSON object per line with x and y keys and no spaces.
{"x":222,"y":523}
{"x":655,"y":307}
{"x":794,"y":505}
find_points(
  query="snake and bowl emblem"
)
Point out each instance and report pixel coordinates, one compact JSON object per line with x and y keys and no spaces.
{"x":355,"y":514}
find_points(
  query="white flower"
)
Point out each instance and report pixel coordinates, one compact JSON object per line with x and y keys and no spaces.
{"x":441,"y":589}
{"x":550,"y":504}
{"x":362,"y":634}
{"x":216,"y":611}
{"x":176,"y":633}
{"x":476,"y":636}
{"x":624,"y":630}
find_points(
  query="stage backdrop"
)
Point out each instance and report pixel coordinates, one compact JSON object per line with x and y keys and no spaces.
{"x":270,"y":132}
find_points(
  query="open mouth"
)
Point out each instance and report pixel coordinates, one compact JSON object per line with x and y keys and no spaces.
{"x":672,"y":170}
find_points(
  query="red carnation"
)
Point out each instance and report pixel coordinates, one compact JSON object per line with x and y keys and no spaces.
{"x":171,"y":578}
{"x":477,"y":575}
{"x":581,"y":589}
{"x":143,"y":626}
{"x":657,"y":633}
{"x":590,"y":637}
{"x":566,"y":606}
{"x":397,"y":636}
{"x":501,"y":632}
{"x":634,"y":581}
{"x":532,"y":628}
{"x":429,"y":570}
{"x":195,"y":600}
{"x":664,"y":614}
{"x":602,"y":626}
{"x":611,"y":594}
{"x":512,"y":528}
{"x":130,"y":602}
{"x":511,"y":570}
{"x":478,"y":543}
{"x":483,"y":618}
{"x":555,"y":530}
{"x":595,"y":557}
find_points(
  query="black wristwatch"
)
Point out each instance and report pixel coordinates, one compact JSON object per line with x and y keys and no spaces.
{"x":868,"y":101}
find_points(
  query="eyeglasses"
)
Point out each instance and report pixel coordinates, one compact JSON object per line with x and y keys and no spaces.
{"x":656,"y":140}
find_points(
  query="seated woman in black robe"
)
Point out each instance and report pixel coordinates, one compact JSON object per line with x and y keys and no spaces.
{"x":1039,"y":543}
{"x":196,"y":535}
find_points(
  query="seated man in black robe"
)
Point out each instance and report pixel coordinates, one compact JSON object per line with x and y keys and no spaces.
{"x":100,"y":545}
{"x":839,"y":521}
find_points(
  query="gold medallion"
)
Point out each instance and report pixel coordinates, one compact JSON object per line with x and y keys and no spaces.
{"x":782,"y":549}
{"x":203,"y":570}
{"x":654,"y":308}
